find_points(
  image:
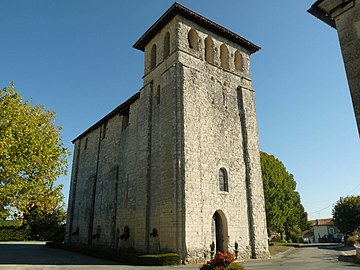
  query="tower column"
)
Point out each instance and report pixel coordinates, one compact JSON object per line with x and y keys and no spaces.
{"x":255,"y":192}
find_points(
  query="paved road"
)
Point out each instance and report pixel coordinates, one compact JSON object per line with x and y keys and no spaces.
{"x":34,"y":255}
{"x":306,"y":258}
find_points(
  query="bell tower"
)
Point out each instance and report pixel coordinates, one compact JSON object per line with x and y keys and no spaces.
{"x":203,"y":164}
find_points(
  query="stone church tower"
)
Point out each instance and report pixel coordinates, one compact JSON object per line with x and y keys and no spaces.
{"x":177,"y":165}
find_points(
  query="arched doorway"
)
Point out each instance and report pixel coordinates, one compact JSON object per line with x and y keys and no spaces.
{"x":220,"y":231}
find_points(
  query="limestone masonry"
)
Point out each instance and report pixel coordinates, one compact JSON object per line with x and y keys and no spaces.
{"x":177,"y":165}
{"x":344,"y":16}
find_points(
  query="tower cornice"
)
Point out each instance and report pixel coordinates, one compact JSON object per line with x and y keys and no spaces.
{"x":178,"y":9}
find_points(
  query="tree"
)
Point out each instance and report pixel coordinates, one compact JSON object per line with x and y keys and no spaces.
{"x":44,"y":225}
{"x":284,"y":211}
{"x":346,"y":213}
{"x":32,"y":157}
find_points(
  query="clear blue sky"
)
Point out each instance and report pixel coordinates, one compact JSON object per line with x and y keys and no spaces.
{"x":76,"y":58}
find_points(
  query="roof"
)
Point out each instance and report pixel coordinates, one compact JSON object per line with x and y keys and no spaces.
{"x":175,"y":9}
{"x":118,"y":110}
{"x":323,"y":222}
{"x":178,"y":9}
{"x":307,"y":234}
{"x":322,"y":9}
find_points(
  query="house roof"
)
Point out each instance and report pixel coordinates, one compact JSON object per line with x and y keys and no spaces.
{"x":323,"y":222}
{"x":118,"y":110}
{"x":178,"y":9}
{"x":307,"y":234}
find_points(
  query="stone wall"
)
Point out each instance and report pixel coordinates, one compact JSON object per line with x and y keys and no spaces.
{"x":154,"y":167}
{"x":104,"y":182}
{"x":129,"y":173}
{"x":217,"y":135}
{"x":348,"y":27}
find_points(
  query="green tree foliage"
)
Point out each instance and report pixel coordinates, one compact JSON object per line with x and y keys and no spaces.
{"x":346,"y":213}
{"x":32,"y":157}
{"x":284,"y":211}
{"x":44,"y":225}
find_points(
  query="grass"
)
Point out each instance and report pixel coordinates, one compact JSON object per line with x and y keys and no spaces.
{"x":285,"y":244}
{"x":276,"y":248}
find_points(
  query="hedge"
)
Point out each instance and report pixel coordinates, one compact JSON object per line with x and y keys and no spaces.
{"x":51,"y":233}
{"x":10,"y":223}
{"x":161,"y":259}
{"x":116,"y":255}
{"x":11,"y":233}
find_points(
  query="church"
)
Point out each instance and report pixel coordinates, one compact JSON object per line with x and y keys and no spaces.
{"x":177,"y":165}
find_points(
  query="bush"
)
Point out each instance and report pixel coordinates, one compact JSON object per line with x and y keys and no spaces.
{"x":54,"y":233}
{"x":224,"y":261}
{"x":235,"y":266}
{"x":161,"y":259}
{"x":294,"y":236}
{"x":351,"y":240}
{"x":231,"y":266}
{"x":277,"y":239}
{"x":10,"y":223}
{"x":46,"y":226}
{"x":14,"y":233}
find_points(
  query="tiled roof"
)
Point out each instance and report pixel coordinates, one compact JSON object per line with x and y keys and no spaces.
{"x":323,"y":222}
{"x":178,"y":9}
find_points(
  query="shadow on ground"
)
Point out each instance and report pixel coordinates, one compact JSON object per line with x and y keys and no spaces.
{"x":347,"y":255}
{"x":349,"y":258}
{"x":37,"y":254}
{"x":337,"y":247}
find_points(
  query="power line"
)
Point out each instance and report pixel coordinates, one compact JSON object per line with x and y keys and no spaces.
{"x":318,"y":211}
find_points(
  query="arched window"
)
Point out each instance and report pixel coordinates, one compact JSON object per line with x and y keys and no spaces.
{"x":193,"y":39}
{"x":153,"y":56}
{"x":224,"y":56}
{"x":166,"y":45}
{"x":238,"y":61}
{"x":209,"y":50}
{"x":223,"y":180}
